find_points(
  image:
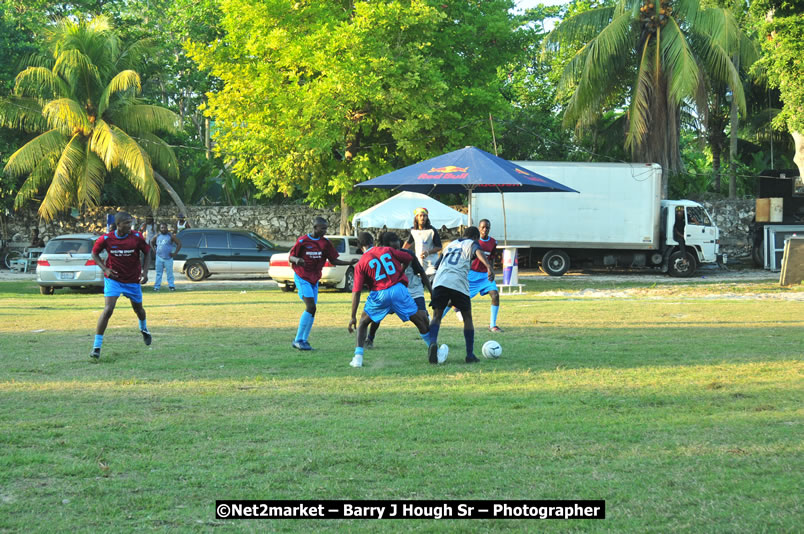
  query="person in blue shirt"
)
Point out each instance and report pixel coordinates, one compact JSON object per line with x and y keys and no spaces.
{"x":167,"y":246}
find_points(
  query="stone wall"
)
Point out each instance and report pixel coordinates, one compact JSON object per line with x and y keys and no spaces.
{"x":285,"y":222}
{"x":733,"y":217}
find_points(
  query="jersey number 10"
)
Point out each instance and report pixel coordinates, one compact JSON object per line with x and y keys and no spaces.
{"x":453,"y":256}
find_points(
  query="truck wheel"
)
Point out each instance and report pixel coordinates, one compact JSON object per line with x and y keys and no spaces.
{"x":46,"y":290}
{"x":349,"y":280}
{"x":555,"y":262}
{"x":11,"y":258}
{"x":196,"y":271}
{"x":287,"y":288}
{"x":681,"y":265}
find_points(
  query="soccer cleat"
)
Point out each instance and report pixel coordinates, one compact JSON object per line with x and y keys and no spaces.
{"x":432,"y":353}
{"x":495,"y":329}
{"x":368,"y":343}
{"x":357,"y":361}
{"x":156,"y":289}
{"x":146,"y":336}
{"x":172,"y":288}
{"x":472,"y":359}
{"x":459,"y":316}
{"x":95,"y":354}
{"x":298,"y":345}
{"x":306,"y":345}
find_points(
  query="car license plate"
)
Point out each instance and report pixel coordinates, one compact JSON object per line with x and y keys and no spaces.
{"x":67,"y":276}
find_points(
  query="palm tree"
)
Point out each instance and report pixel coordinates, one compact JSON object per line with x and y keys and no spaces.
{"x":658,"y":53}
{"x":82,"y":100}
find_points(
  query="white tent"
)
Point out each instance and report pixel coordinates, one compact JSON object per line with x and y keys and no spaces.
{"x":397,"y":212}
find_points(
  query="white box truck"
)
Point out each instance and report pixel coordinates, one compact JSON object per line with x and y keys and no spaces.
{"x":618,"y":219}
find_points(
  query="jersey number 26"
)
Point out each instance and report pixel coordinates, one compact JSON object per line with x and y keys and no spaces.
{"x":384,"y":263}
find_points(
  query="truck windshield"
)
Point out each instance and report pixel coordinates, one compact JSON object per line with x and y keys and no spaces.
{"x":698,"y":216}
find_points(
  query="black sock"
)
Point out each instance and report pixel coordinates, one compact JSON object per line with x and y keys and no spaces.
{"x":469,"y":337}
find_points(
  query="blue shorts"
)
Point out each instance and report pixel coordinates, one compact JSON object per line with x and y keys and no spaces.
{"x":113,"y":288}
{"x":306,"y":289}
{"x":395,"y":299}
{"x":479,"y":283}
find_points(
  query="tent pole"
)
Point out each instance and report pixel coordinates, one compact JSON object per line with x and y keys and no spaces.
{"x":505,"y":221}
{"x":470,"y":207}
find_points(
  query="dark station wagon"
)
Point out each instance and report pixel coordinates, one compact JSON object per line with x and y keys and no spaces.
{"x":208,"y":251}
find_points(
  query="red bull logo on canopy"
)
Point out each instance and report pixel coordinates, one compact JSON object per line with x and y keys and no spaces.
{"x":450,"y":172}
{"x":530,"y":176}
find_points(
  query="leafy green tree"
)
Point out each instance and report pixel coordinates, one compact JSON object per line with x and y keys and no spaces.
{"x":318,"y":96}
{"x":83,"y":102}
{"x":781,"y":24}
{"x":655,"y":52}
{"x":530,"y":129}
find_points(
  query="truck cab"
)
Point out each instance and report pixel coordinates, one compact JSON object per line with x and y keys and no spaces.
{"x":701,"y":235}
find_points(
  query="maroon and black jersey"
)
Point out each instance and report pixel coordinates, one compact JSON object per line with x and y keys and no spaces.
{"x":381,"y":267}
{"x":124,"y":254}
{"x":489,"y":248}
{"x":315,"y":253}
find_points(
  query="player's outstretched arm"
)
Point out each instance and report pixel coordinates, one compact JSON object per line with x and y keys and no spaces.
{"x":343,"y":262}
{"x":355,"y":305}
{"x":482,"y":257}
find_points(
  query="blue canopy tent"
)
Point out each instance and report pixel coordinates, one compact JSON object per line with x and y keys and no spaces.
{"x":466,"y":170}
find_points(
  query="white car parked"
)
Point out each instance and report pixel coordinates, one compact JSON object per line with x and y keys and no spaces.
{"x":337,"y":276}
{"x":67,"y":262}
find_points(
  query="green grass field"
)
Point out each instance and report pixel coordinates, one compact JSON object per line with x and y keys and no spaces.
{"x":682,"y":406}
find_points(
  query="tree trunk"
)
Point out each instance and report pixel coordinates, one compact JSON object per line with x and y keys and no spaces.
{"x":798,"y":158}
{"x":715,"y":137}
{"x":207,"y":139}
{"x":199,"y":126}
{"x":733,"y":149}
{"x":346,"y":212}
{"x":172,"y":192}
{"x":661,"y":143}
{"x":716,"y":166}
{"x":352,"y":146}
{"x":735,"y":126}
{"x":3,"y":228}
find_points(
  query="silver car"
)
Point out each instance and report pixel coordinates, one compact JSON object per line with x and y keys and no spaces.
{"x":67,"y":262}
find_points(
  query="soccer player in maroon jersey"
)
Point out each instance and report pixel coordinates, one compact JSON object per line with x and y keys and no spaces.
{"x":478,"y":276}
{"x":478,"y":280}
{"x":382,"y":269}
{"x":415,"y":285}
{"x":308,"y":256}
{"x":124,"y":274}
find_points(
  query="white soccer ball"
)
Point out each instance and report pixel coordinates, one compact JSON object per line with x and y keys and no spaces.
{"x":443,"y":352}
{"x":492,"y":349}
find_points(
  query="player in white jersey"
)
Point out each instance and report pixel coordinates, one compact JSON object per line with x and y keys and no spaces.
{"x":451,"y":288}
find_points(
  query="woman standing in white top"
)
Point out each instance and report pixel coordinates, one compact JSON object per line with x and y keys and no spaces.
{"x":182,"y":223}
{"x":425,"y":240}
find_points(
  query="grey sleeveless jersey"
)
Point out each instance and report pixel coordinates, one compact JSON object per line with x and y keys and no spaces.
{"x":425,"y":239}
{"x":453,"y":271}
{"x":415,"y":286}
